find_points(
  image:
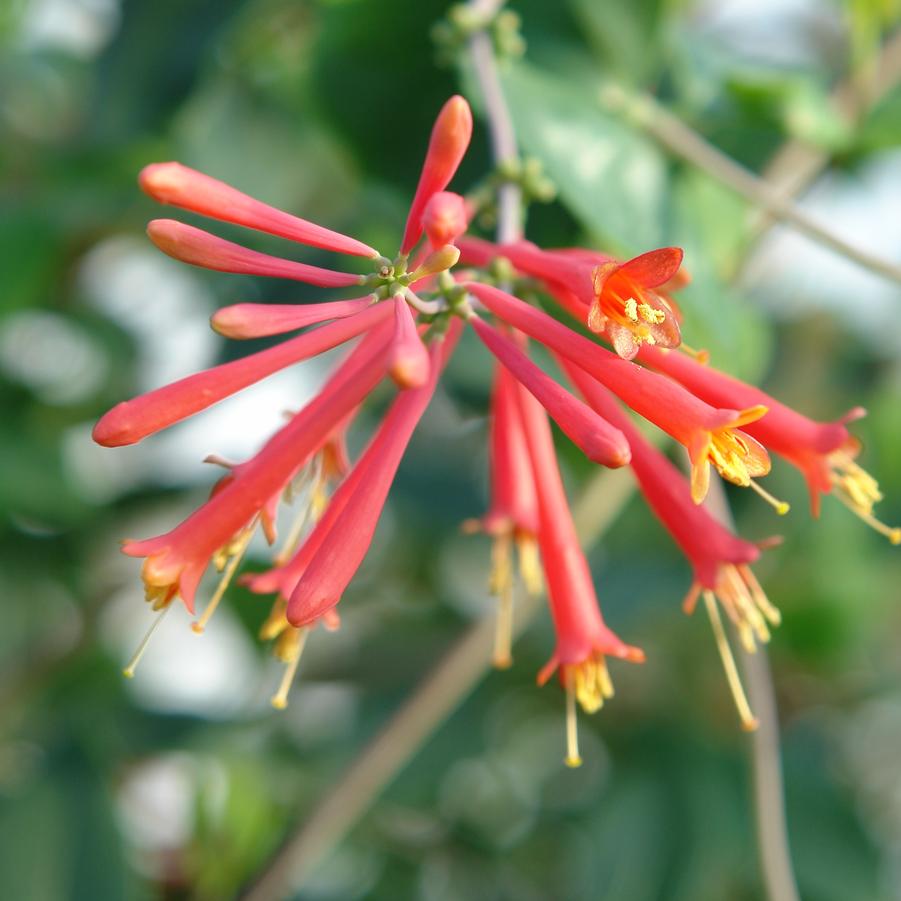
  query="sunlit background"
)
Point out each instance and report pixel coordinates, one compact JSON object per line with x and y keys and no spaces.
{"x":182,"y":781}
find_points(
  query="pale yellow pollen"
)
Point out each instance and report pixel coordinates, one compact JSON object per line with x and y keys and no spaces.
{"x":859,"y":492}
{"x":630,"y":308}
{"x":236,"y":551}
{"x":748,"y":721}
{"x":781,"y":507}
{"x":650,"y":315}
{"x":280,"y":698}
{"x":573,"y":758}
{"x":132,"y":665}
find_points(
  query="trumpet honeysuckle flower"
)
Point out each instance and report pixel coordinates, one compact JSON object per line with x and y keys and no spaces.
{"x":450,"y":139}
{"x":133,"y":420}
{"x":719,"y":558}
{"x":711,"y":435}
{"x":583,"y":639}
{"x":180,"y":186}
{"x":824,"y":452}
{"x":408,"y":358}
{"x":619,"y":298}
{"x":345,"y":545}
{"x":199,"y":248}
{"x":261,"y":320}
{"x":512,"y":517}
{"x":404,"y":320}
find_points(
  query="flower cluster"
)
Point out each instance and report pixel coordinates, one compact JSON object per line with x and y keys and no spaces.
{"x":405,"y":324}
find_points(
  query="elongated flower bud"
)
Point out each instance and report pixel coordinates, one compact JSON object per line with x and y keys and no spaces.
{"x":444,"y":218}
{"x":596,"y":438}
{"x":449,"y":140}
{"x":200,"y":248}
{"x":259,"y":320}
{"x":191,"y":190}
{"x":408,"y":359}
{"x":133,"y":420}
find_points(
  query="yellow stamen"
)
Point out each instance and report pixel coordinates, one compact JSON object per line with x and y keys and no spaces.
{"x":859,"y":492}
{"x":573,"y":759}
{"x":276,"y":622}
{"x":630,"y":308}
{"x":280,"y":698}
{"x":590,"y":681}
{"x":132,"y":665}
{"x":236,"y":551}
{"x":699,"y":356}
{"x":748,"y":720}
{"x":529,"y":564}
{"x":781,"y":507}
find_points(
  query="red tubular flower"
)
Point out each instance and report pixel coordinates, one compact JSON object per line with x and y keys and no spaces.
{"x":200,"y":248}
{"x":176,"y":560}
{"x":260,"y":320}
{"x":135,"y":419}
{"x":711,"y":435}
{"x":595,"y":437}
{"x":512,"y":517}
{"x":823,"y":451}
{"x":620,"y":298}
{"x":346,"y":543}
{"x":719,"y":558}
{"x":450,"y":138}
{"x":444,"y":218}
{"x":191,"y":190}
{"x":583,"y":639}
{"x":408,"y":359}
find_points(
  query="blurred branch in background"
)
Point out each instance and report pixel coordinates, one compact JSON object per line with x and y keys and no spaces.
{"x":683,"y":141}
{"x":769,"y":787}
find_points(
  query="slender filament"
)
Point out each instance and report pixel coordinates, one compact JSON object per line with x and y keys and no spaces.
{"x":129,"y":670}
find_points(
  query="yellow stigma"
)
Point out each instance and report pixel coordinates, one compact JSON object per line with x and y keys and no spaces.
{"x":529,"y":563}
{"x":289,"y":647}
{"x":859,"y":492}
{"x":500,"y":584}
{"x":748,"y":721}
{"x":233,"y":553}
{"x":573,"y":758}
{"x":781,"y":507}
{"x":132,"y":664}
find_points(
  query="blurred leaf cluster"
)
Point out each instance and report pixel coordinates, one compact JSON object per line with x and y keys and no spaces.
{"x":180,"y":783}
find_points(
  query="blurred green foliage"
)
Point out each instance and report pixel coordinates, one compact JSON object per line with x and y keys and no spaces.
{"x":114,"y":790}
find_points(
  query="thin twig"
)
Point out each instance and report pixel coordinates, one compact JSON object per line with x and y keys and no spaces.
{"x":685,"y":142}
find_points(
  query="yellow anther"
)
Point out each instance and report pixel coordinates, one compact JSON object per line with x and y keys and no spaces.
{"x":859,"y":492}
{"x":650,"y":315}
{"x":236,"y":551}
{"x":276,"y":622}
{"x":630,"y":308}
{"x":781,"y":507}
{"x":132,"y":665}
